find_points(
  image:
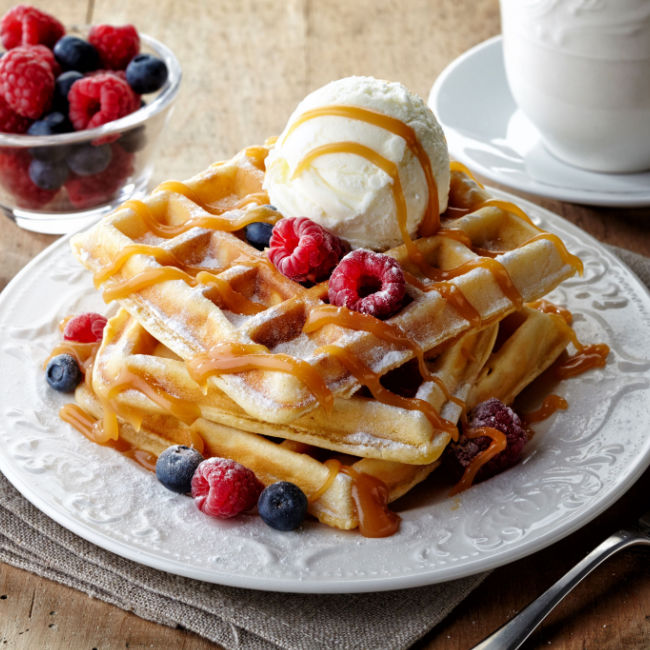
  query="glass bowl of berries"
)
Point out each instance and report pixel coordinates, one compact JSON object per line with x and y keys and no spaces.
{"x":81,"y":113}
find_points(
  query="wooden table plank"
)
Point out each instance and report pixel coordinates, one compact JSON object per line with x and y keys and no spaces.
{"x":246,"y":65}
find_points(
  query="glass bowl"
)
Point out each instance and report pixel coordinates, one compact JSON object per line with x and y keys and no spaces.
{"x":124,"y":147}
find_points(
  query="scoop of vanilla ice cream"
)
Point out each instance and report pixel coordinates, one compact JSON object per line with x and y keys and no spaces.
{"x":348,"y":193}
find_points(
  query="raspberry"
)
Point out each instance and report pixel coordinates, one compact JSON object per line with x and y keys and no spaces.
{"x":223,"y":488}
{"x":26,"y":82}
{"x":85,"y":328}
{"x":491,"y":413}
{"x":303,"y":250}
{"x":98,"y":99}
{"x":116,"y":45}
{"x":368,"y":282}
{"x":10,"y":121}
{"x":14,"y":177}
{"x":89,"y":191}
{"x":45,"y":54}
{"x":25,"y":25}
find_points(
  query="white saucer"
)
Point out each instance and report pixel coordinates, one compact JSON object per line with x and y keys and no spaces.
{"x":487,"y":132}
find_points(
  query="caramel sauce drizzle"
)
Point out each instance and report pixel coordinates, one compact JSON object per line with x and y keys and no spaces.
{"x":431,"y":221}
{"x":370,"y":379}
{"x":233,"y":300}
{"x":586,"y":358}
{"x":455,"y":297}
{"x":569,"y":258}
{"x":91,"y":429}
{"x":550,"y":405}
{"x":334,"y":467}
{"x":225,"y":358}
{"x":185,"y":411}
{"x":497,"y":445}
{"x":455,"y":166}
{"x":210,"y":222}
{"x":370,"y":496}
{"x":548,"y":307}
{"x":322,"y":315}
{"x":161,"y":255}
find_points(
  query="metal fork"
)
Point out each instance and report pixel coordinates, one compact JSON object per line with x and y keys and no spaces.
{"x":511,"y":635}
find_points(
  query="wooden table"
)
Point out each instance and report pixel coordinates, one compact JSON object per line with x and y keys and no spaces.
{"x":246,"y":65}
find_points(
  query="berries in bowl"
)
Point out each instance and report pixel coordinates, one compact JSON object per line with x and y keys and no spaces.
{"x":81,"y":112}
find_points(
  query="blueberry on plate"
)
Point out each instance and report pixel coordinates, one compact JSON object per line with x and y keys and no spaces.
{"x":88,"y":159}
{"x":73,"y":53}
{"x":258,"y":234}
{"x":63,"y":373}
{"x":62,"y":86}
{"x":176,"y":466}
{"x":282,"y":505}
{"x":48,"y":175}
{"x":146,"y":73}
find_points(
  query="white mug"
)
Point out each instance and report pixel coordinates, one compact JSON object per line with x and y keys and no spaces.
{"x":580,"y":72}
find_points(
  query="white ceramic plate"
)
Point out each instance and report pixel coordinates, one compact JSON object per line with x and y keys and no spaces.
{"x":487,"y":132}
{"x":580,"y":461}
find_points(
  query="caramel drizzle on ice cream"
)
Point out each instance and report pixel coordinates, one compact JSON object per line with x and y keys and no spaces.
{"x":431,"y":221}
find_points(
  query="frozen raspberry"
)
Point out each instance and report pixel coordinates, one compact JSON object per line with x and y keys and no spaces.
{"x":303,"y":250}
{"x":25,"y":25}
{"x":14,"y":177}
{"x":368,"y":282}
{"x":10,"y":121}
{"x":491,"y":413}
{"x":96,"y":189}
{"x":116,"y":45}
{"x":98,"y":99}
{"x":85,"y":328}
{"x":223,"y":488}
{"x":26,"y":82}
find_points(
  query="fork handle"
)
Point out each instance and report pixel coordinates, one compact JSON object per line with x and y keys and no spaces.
{"x":511,"y":635}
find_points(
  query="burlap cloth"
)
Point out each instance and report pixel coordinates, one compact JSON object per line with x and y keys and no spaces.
{"x":234,"y":618}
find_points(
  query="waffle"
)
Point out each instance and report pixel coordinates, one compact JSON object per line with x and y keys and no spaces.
{"x":129,"y":356}
{"x":150,"y":424}
{"x":203,"y":291}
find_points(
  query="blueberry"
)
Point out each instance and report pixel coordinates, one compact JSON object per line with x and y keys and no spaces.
{"x":73,"y":53}
{"x":48,"y":175}
{"x":63,"y":373}
{"x":87,"y":159}
{"x":258,"y":234}
{"x":62,"y":87}
{"x":282,"y":505}
{"x":133,"y":140}
{"x":176,"y":466}
{"x":146,"y":73}
{"x":50,"y":124}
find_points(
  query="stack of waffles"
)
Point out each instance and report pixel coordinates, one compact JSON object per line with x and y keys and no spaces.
{"x":211,"y":346}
